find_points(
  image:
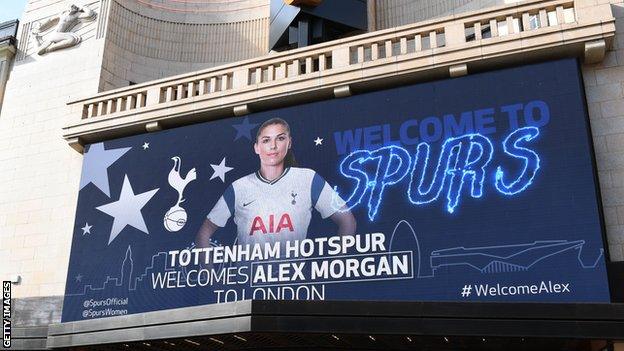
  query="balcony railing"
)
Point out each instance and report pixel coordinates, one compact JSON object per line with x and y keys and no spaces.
{"x":510,"y":34}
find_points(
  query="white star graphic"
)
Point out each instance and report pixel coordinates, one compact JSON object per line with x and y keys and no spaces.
{"x":79,"y":278}
{"x":145,"y":146}
{"x":95,"y":166}
{"x":127,"y":210}
{"x":220,"y":170}
{"x":86,"y":229}
{"x":318,"y":141}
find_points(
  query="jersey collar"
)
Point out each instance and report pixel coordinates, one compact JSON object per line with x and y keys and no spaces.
{"x":271,"y":182}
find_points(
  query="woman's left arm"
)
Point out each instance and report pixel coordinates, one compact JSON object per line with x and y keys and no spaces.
{"x":345,"y":221}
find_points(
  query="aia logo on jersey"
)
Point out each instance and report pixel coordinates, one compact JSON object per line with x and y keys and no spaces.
{"x":271,"y":225}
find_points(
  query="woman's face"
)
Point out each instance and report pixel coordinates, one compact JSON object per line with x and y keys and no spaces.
{"x":272,"y":144}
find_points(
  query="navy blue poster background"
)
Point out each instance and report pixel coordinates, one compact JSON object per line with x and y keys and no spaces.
{"x":512,"y":217}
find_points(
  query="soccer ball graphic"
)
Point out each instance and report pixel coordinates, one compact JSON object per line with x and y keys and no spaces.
{"x":175,"y":219}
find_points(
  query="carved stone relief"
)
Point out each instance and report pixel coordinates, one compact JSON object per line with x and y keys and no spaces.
{"x":61,"y":35}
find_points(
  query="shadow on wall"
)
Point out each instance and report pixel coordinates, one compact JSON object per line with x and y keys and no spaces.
{"x":36,"y":311}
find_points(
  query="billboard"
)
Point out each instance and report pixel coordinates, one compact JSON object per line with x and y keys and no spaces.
{"x":480,"y":188}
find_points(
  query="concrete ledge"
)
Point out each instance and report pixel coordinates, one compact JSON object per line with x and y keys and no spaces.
{"x":28,"y":344}
{"x":30,"y":332}
{"x":29,"y":338}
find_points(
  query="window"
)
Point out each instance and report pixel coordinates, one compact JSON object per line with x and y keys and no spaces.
{"x":470,"y":33}
{"x":440,"y":40}
{"x":411,"y":45}
{"x":381,"y":50}
{"x":367,"y":54}
{"x":396,"y":48}
{"x":534,"y":21}
{"x":425,"y":42}
{"x":486,"y":31}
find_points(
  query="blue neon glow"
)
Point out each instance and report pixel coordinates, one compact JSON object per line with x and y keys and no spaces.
{"x":391,"y":164}
{"x":361,"y":180}
{"x":530,"y":158}
{"x":463,"y":157}
{"x":421,"y":164}
{"x":467,"y":165}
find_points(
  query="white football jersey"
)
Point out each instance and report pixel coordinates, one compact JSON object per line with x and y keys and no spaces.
{"x":278,"y":210}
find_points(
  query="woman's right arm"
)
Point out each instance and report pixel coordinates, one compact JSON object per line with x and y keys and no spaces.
{"x":219,"y":214}
{"x":202,"y":239}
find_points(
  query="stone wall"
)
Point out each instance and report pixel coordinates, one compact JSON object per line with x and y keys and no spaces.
{"x":604,"y":87}
{"x":39,"y":173}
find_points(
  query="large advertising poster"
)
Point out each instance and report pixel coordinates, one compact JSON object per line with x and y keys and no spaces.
{"x":479,"y":188}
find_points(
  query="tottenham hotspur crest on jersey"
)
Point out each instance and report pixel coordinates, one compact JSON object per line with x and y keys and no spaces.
{"x":294,"y":197}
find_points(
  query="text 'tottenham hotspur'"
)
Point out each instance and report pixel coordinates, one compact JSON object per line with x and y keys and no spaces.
{"x":335,"y":245}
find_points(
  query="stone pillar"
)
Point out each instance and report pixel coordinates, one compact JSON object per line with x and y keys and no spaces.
{"x":7,"y":52}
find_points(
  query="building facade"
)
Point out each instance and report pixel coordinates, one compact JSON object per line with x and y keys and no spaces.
{"x":124,"y":68}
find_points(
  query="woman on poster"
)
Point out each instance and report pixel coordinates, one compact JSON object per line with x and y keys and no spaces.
{"x":275,"y":203}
